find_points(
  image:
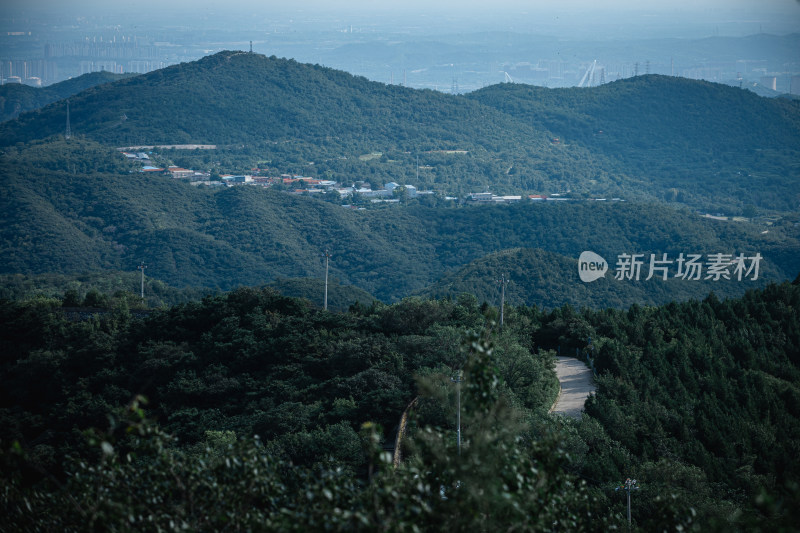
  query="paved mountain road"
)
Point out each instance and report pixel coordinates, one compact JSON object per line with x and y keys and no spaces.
{"x":577,"y":384}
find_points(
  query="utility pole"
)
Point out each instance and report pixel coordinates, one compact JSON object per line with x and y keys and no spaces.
{"x":142,"y":267}
{"x":628,"y":486}
{"x":68,"y":134}
{"x":503,"y":282}
{"x":457,"y":380}
{"x":327,"y":255}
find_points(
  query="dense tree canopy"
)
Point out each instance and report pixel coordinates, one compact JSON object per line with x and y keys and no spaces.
{"x":696,"y":400}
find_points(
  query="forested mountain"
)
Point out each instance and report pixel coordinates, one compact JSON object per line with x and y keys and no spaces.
{"x":690,"y":139}
{"x":75,"y":207}
{"x":698,"y":401}
{"x":709,"y":393}
{"x":705,"y":145}
{"x":16,"y":98}
{"x":235,"y":97}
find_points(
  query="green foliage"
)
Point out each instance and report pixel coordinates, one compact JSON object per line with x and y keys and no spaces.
{"x":115,"y":286}
{"x":697,"y":401}
{"x":139,"y":479}
{"x":549,"y":280}
{"x":250,"y":361}
{"x":340,"y":297}
{"x":705,"y":397}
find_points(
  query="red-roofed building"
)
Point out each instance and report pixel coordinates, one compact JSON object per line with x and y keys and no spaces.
{"x":178,"y":172}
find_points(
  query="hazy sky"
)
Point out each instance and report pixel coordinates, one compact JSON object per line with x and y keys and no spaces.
{"x":756,"y":6}
{"x":602,"y":19}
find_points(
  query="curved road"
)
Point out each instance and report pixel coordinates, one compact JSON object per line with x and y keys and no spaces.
{"x":576,"y":386}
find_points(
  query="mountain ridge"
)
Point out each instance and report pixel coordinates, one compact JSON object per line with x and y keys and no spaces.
{"x":705,"y":145}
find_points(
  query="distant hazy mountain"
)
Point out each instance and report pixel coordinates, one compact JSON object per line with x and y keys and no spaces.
{"x":16,"y":98}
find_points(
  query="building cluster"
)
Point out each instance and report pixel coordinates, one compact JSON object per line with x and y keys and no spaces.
{"x":304,"y":185}
{"x":391,"y":192}
{"x":295,"y":184}
{"x":483,"y":198}
{"x":35,"y":73}
{"x":489,"y":198}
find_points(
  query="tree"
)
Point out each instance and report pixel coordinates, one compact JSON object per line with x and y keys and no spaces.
{"x":95,"y":298}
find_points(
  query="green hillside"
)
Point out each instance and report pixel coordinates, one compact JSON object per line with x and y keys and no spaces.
{"x":235,"y":97}
{"x":113,"y":286}
{"x":16,"y":99}
{"x":709,"y":146}
{"x":689,"y":141}
{"x":550,"y":280}
{"x":105,"y":217}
